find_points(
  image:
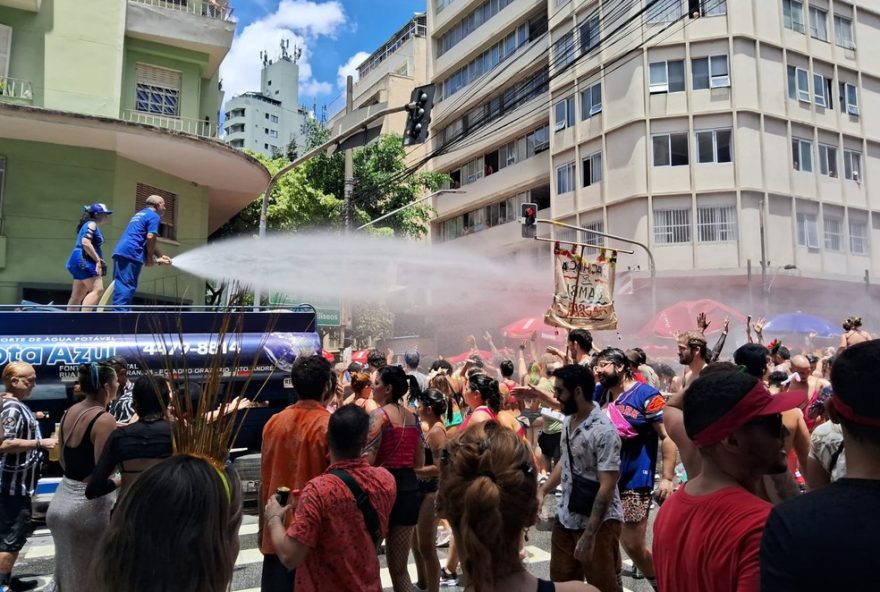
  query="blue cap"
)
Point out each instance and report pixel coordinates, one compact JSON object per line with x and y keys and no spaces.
{"x":98,"y":208}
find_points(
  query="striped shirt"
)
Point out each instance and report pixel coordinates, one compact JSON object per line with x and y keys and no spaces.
{"x":122,"y":409}
{"x":19,"y":470}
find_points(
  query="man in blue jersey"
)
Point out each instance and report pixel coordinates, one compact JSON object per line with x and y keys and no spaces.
{"x":641,"y":407}
{"x":136,"y":248}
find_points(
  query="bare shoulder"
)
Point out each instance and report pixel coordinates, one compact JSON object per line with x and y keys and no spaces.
{"x":575,"y":587}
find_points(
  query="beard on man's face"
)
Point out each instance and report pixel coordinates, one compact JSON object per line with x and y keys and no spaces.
{"x":569,"y":406}
{"x":610,"y":380}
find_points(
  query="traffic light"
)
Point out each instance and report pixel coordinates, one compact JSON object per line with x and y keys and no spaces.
{"x":528,"y":212}
{"x":419,"y":115}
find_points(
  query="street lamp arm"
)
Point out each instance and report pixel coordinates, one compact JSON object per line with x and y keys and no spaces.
{"x":606,"y":235}
{"x":409,"y":205}
{"x":360,"y":127}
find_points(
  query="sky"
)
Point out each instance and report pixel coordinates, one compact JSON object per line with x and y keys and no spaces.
{"x":335,"y":37}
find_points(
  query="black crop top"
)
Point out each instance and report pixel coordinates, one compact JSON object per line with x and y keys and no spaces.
{"x":79,"y":461}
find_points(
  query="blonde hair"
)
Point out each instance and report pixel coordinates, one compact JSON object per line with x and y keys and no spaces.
{"x":488,"y":492}
{"x":14,"y":370}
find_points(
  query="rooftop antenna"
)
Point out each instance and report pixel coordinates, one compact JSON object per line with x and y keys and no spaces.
{"x":285,"y":44}
{"x":264,"y":57}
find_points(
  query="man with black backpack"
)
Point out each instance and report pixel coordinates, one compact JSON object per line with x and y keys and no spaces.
{"x":339,"y":517}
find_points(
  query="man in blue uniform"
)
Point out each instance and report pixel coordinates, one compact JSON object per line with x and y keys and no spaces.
{"x":136,"y":248}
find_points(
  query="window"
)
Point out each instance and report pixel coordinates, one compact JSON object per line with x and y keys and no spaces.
{"x":828,"y":160}
{"x":473,"y":171}
{"x":592,"y":166}
{"x":591,"y":101}
{"x":672,"y":226}
{"x":273,"y":119}
{"x":2,"y":178}
{"x":267,"y":116}
{"x":485,"y":61}
{"x":564,"y":113}
{"x":167,"y":226}
{"x":858,"y":237}
{"x":713,"y":146}
{"x":843,"y":32}
{"x":713,"y":7}
{"x":798,"y":84}
{"x":833,"y":233}
{"x":589,"y":31}
{"x":849,"y":99}
{"x":670,"y":149}
{"x":565,"y":178}
{"x":820,"y":90}
{"x":802,"y":152}
{"x":588,"y":238}
{"x":667,"y":77}
{"x":470,"y":23}
{"x":563,"y":50}
{"x":157,"y":90}
{"x":818,"y":24}
{"x":662,"y":11}
{"x":710,"y":72}
{"x":716,"y":224}
{"x":852,"y":165}
{"x":793,"y":15}
{"x":807,"y":231}
{"x":273,"y":133}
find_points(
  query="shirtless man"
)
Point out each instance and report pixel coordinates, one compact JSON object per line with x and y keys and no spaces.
{"x":692,"y":353}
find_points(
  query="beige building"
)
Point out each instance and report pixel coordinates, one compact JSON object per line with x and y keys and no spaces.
{"x":686,"y":134}
{"x":386,"y":79}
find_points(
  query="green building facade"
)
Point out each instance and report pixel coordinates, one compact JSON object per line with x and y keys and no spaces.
{"x":110,"y":101}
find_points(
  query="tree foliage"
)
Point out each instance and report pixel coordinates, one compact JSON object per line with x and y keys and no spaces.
{"x":312,"y":195}
{"x":371,"y":323}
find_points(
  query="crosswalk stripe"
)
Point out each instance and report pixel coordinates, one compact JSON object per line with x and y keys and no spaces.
{"x":248,"y":556}
{"x":40,"y":551}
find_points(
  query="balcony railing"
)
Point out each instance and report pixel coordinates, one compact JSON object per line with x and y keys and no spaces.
{"x":216,"y":9}
{"x":13,"y":90}
{"x":195,"y":127}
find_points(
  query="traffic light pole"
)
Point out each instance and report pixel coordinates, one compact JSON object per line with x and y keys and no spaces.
{"x":651,"y":266}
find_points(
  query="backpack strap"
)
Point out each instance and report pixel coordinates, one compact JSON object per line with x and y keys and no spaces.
{"x":371,"y":518}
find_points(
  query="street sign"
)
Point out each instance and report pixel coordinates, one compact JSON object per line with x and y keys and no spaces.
{"x":329,"y":311}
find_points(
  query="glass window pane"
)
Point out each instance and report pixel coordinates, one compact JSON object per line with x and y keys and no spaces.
{"x":722,"y":143}
{"x":700,"y":69}
{"x":705,"y":149}
{"x":679,"y":150}
{"x":661,"y":150}
{"x":658,"y":74}
{"x":676,"y":76}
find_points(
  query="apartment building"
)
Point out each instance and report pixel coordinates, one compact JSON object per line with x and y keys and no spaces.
{"x":488,"y":61}
{"x":270,"y":120}
{"x":749,"y":133}
{"x":111,"y":101}
{"x":386,"y":79}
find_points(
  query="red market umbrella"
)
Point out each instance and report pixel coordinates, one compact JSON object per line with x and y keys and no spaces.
{"x":484,"y":355}
{"x":360,"y":356}
{"x":682,"y":316}
{"x":523,"y":328}
{"x":328,"y":356}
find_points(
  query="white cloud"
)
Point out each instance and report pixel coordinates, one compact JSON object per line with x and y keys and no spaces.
{"x":300,"y":21}
{"x":349,"y":68}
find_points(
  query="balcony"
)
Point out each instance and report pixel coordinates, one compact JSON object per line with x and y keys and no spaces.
{"x":206,"y":26}
{"x":184,"y":125}
{"x":16,"y":91}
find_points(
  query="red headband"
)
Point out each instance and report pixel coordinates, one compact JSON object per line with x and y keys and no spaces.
{"x":757,"y":402}
{"x":847,"y":412}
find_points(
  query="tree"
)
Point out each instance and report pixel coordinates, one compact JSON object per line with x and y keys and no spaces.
{"x":312,"y":194}
{"x":371,"y":323}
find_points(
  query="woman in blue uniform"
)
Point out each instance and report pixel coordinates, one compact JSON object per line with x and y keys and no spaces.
{"x":86,"y":262}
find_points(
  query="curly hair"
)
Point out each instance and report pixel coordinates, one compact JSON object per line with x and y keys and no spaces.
{"x":488,"y":492}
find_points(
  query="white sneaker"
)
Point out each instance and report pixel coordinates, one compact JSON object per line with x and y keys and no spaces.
{"x":443,"y":537}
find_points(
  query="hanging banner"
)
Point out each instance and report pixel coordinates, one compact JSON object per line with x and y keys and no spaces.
{"x":584,"y":297}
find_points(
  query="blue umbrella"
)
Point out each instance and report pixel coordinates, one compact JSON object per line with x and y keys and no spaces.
{"x":799,"y":322}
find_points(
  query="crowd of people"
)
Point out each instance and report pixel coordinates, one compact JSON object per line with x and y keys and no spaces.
{"x":756,"y":463}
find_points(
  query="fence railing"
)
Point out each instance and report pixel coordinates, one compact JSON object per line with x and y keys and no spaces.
{"x":14,"y":90}
{"x":186,"y":125}
{"x":217,"y":9}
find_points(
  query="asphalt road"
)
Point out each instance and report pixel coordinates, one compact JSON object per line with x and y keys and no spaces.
{"x":37,"y":559}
